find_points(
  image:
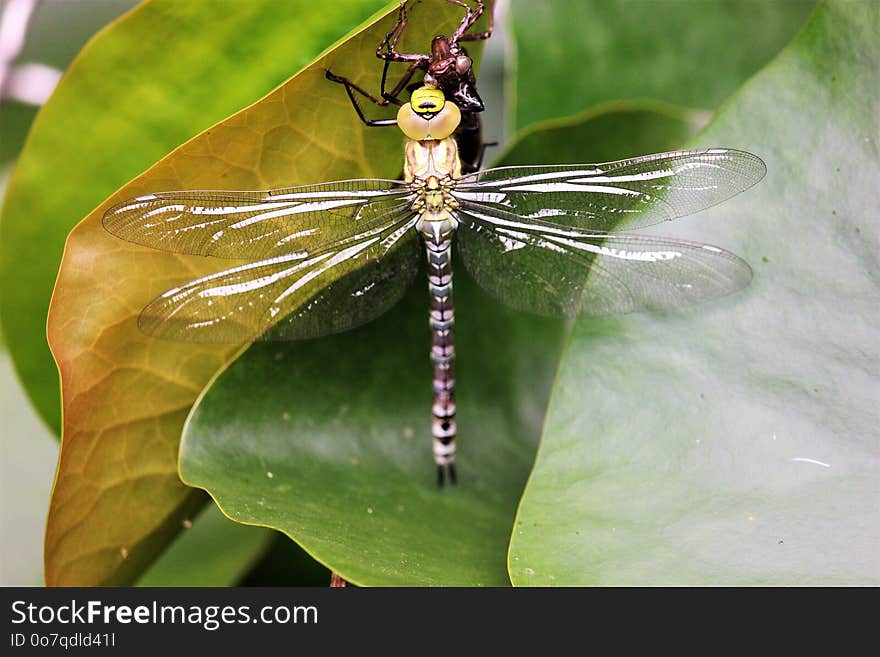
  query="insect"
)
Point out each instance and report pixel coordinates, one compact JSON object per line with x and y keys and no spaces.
{"x":448,"y":67}
{"x":543,"y":239}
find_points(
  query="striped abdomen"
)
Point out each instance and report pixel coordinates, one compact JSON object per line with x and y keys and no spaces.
{"x":442,"y":321}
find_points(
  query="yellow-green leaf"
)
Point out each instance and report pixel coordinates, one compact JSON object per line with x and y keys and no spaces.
{"x":117,"y":499}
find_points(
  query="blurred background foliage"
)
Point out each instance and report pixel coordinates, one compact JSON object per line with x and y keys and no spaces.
{"x":55,"y":32}
{"x":634,"y":76}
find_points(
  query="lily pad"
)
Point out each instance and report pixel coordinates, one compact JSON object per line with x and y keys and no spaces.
{"x":737,"y":443}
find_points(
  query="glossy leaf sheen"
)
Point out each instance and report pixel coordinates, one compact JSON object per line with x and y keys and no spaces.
{"x":573,"y":54}
{"x":737,"y":443}
{"x":117,"y":498}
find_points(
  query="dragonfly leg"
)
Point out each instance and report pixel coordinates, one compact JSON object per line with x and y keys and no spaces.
{"x":386,"y":97}
{"x":393,"y":95}
{"x":387,"y":50}
{"x":470,"y":18}
{"x":350,"y":89}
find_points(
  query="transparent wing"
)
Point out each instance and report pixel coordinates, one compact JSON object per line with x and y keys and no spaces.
{"x":294,"y":296}
{"x":557,"y":271}
{"x":256,"y":225}
{"x":615,"y":196}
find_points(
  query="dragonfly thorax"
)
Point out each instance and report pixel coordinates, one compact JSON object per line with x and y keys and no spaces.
{"x":431,"y":168}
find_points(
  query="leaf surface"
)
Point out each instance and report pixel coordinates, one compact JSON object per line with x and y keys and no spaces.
{"x":737,"y":443}
{"x":573,"y":54}
{"x":117,"y":498}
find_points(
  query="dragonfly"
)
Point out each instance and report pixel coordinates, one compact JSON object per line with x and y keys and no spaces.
{"x":447,"y":67}
{"x":552,"y":240}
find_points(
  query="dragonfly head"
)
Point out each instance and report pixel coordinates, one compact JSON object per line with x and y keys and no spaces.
{"x":428,"y":115}
{"x":452,"y":71}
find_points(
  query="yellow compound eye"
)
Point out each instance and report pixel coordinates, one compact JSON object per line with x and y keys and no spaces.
{"x":420,"y":128}
{"x":427,"y":100}
{"x":445,"y":123}
{"x":413,"y":126}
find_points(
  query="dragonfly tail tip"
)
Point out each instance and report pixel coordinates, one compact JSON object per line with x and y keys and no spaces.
{"x":445,"y":472}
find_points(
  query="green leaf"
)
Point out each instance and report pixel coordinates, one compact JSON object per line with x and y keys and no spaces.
{"x":117,"y":499}
{"x":607,"y":132}
{"x":15,"y":119}
{"x":329,"y":441}
{"x":736,"y":443}
{"x":212,"y":551}
{"x":572,"y":54}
